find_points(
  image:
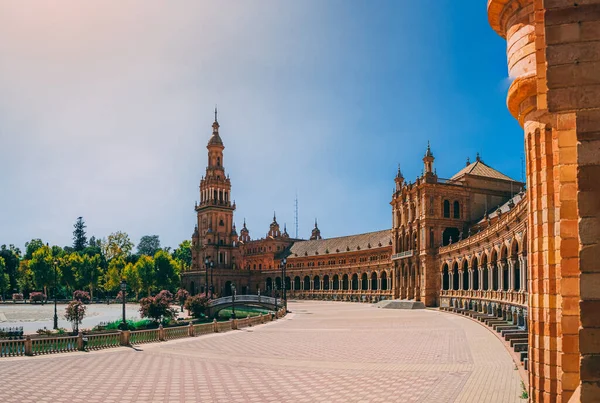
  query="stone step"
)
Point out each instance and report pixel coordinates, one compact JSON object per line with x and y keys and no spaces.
{"x":503,"y":323}
{"x":516,"y":341}
{"x":511,"y":331}
{"x":485,"y":318}
{"x":517,"y":335}
{"x":523,"y":355}
{"x":520,"y":347}
{"x":499,"y":329}
{"x":493,"y":320}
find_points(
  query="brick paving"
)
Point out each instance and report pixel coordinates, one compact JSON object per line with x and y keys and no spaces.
{"x":322,"y":352}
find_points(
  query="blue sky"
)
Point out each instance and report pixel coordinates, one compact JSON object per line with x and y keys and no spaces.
{"x":106,"y":109}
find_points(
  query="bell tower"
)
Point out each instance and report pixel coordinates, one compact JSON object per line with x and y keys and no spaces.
{"x":216,"y":237}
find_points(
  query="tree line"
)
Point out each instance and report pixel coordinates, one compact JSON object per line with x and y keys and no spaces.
{"x":94,"y":265}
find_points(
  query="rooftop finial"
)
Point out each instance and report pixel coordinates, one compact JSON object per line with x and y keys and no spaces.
{"x":315,"y":222}
{"x":428,"y":153}
{"x":468,"y":161}
{"x":274,"y":219}
{"x":216,"y":113}
{"x":478,"y":158}
{"x":399,"y":175}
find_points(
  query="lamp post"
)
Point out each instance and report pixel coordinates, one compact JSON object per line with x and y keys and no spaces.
{"x":283,"y":267}
{"x":275,"y":293}
{"x":123,"y":289}
{"x":206,"y":277}
{"x":232,"y":301}
{"x":54,"y":292}
{"x":212,"y":289}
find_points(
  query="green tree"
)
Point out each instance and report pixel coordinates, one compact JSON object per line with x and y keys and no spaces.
{"x":79,"y":237}
{"x":183,"y":254}
{"x":4,"y":279}
{"x":70,"y":265}
{"x":133,"y":279}
{"x":149,"y":245}
{"x":145,"y":271}
{"x":11,"y":256}
{"x":117,"y":244}
{"x":25,"y":278}
{"x":42,"y":267}
{"x":31,"y":247}
{"x":114,"y":274}
{"x":89,"y":273}
{"x":166,"y":271}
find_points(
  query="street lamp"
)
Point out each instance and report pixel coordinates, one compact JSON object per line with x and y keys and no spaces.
{"x":283,"y":267}
{"x":54,"y":292}
{"x":232,"y":301}
{"x":206,"y":277}
{"x":275,"y":293}
{"x":123,"y":289}
{"x":212,"y":289}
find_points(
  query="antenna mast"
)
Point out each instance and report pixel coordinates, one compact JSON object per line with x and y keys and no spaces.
{"x":296,"y":215}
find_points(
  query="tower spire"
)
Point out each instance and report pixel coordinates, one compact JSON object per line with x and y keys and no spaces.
{"x":216,"y":113}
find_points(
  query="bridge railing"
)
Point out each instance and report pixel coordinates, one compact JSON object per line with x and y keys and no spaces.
{"x":260,"y":299}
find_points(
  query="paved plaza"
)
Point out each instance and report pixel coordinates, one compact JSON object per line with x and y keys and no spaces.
{"x":322,"y":352}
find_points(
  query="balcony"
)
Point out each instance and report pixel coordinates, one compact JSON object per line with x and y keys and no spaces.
{"x":403,"y":255}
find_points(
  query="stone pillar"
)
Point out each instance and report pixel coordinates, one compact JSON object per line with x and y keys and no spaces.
{"x":161,"y":333}
{"x":501,"y":266}
{"x":523,"y":267}
{"x":470,"y":279}
{"x":511,"y":274}
{"x":451,"y":279}
{"x":553,"y":52}
{"x":460,"y":280}
{"x":28,"y":346}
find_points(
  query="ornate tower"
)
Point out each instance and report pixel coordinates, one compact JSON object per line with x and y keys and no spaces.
{"x":216,"y":237}
{"x":244,"y":233}
{"x":428,"y":161}
{"x":274,"y":231}
{"x":316,"y":232}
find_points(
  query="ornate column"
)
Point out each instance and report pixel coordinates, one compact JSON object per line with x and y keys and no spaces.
{"x":491,"y":276}
{"x":501,"y":266}
{"x":511,"y":274}
{"x":470,"y":279}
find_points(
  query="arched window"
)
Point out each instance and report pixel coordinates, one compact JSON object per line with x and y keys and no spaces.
{"x":446,"y":209}
{"x":306,"y":283}
{"x":269,"y":284}
{"x":456,"y":209}
{"x":445,"y":278}
{"x":355,"y":282}
{"x":345,"y":285}
{"x":374,"y":281}
{"x":365,"y":282}
{"x":296,"y":283}
{"x":384,"y":281}
{"x":455,"y":279}
{"x":326,"y":282}
{"x":336,"y":282}
{"x":288,"y":283}
{"x":218,"y":161}
{"x":317,"y":283}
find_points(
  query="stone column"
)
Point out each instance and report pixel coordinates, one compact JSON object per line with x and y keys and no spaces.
{"x":470,"y":279}
{"x":451,"y":279}
{"x":501,"y":265}
{"x":460,"y":280}
{"x":490,"y":276}
{"x":511,"y":274}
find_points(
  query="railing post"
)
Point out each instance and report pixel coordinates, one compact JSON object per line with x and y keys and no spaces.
{"x":191,"y":330}
{"x":262,"y":318}
{"x":28,"y":346}
{"x":124,"y":337}
{"x":80,"y":341}
{"x":161,"y":333}
{"x":215,"y":328}
{"x":234,"y":324}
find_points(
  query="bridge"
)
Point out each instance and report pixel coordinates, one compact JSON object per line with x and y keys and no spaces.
{"x":258,"y":301}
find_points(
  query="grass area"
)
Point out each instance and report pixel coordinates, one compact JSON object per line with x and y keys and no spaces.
{"x":241,"y":312}
{"x":132,"y":324}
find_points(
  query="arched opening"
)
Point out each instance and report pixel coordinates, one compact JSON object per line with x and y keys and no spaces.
{"x":296,"y":283}
{"x":485,"y":271}
{"x":475,"y":274}
{"x":269,"y":284}
{"x":227,"y":290}
{"x":446,"y":209}
{"x":384,"y":285}
{"x":494,"y":262}
{"x":364,"y":284}
{"x":355,"y":282}
{"x":455,"y":278}
{"x":306,"y":283}
{"x":504,"y":267}
{"x":465,"y":278}
{"x":450,"y":235}
{"x":445,"y":277}
{"x":278,"y":283}
{"x":192,"y":288}
{"x":374,"y":281}
{"x":336,"y":282}
{"x":326,"y":282}
{"x":456,"y":209}
{"x":288,"y":283}
{"x":317,"y":283}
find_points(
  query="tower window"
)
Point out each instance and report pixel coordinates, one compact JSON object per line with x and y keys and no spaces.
{"x":456,"y":209}
{"x":221,"y":223}
{"x":446,"y":209}
{"x":218,"y":161}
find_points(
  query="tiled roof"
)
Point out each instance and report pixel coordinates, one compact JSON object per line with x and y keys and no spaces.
{"x":478,"y":168}
{"x":506,"y":207}
{"x":215,"y":139}
{"x":341,"y":244}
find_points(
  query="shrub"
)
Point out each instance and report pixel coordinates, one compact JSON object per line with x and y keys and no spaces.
{"x":197,"y":305}
{"x":82,"y":296}
{"x":158,"y":307}
{"x":37,"y":297}
{"x":181,"y":296}
{"x":74,"y":313}
{"x":17,"y":297}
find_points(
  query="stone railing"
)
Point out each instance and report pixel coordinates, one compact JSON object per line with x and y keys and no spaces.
{"x":402,"y":255}
{"x":61,"y":344}
{"x":12,"y":348}
{"x":509,"y":297}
